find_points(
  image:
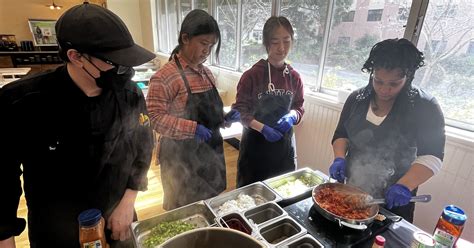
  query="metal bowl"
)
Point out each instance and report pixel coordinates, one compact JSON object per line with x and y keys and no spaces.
{"x":213,"y":237}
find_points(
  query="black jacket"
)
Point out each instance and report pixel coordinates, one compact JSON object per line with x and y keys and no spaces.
{"x":76,"y":152}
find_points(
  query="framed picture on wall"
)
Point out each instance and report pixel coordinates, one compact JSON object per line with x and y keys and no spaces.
{"x":43,"y":32}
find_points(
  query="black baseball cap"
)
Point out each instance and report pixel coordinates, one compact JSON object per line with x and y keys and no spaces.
{"x":97,"y":31}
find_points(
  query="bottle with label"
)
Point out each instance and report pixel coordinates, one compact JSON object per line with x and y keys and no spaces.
{"x":379,"y":242}
{"x":449,"y":227}
{"x":91,"y":229}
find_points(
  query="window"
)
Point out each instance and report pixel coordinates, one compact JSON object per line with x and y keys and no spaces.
{"x":309,"y":20}
{"x":167,"y":23}
{"x":435,"y":47}
{"x":329,"y":58}
{"x":403,"y":13}
{"x":227,"y":19}
{"x":448,"y":73}
{"x":470,"y":48}
{"x":350,"y":44}
{"x":348,"y":16}
{"x":374,"y":15}
{"x":343,"y":41}
{"x":254,"y":15}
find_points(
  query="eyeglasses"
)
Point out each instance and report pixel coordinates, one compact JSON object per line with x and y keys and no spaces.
{"x":121,"y":69}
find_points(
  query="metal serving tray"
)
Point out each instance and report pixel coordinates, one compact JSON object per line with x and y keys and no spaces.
{"x":196,"y":213}
{"x":306,"y":241}
{"x":314,"y":176}
{"x":258,"y":189}
{"x":265,"y":213}
{"x":281,"y":231}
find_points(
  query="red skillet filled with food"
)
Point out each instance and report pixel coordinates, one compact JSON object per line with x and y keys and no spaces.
{"x":335,"y":201}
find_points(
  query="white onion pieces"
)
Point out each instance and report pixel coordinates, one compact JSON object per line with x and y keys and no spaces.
{"x":242,"y":203}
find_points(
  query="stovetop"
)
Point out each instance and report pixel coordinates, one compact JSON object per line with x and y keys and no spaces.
{"x":329,"y":233}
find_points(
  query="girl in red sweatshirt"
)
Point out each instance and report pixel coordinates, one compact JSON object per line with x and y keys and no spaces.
{"x":270,"y":102}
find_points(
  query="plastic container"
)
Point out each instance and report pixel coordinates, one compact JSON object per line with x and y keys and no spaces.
{"x":91,"y":229}
{"x":379,"y":242}
{"x":449,"y":227}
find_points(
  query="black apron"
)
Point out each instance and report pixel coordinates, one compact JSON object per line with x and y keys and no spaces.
{"x":193,"y":170}
{"x":378,"y":156}
{"x":110,"y":150}
{"x":260,"y":159}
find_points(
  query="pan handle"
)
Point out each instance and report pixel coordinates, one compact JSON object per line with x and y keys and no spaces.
{"x":421,"y":198}
{"x":353,"y":226}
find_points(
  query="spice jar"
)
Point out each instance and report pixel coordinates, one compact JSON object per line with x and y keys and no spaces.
{"x":91,"y":229}
{"x":449,"y":227}
{"x":379,"y":242}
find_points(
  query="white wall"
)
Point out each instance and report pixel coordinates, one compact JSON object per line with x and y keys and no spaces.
{"x":129,"y":12}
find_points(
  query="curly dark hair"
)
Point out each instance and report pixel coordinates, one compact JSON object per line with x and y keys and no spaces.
{"x":395,"y":54}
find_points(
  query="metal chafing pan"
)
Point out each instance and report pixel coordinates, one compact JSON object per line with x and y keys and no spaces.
{"x":264,"y":213}
{"x":314,"y":176}
{"x":255,"y":190}
{"x":306,"y":241}
{"x":280,"y":231}
{"x":196,"y":213}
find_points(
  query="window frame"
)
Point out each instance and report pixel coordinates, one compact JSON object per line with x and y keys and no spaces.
{"x":413,"y":27}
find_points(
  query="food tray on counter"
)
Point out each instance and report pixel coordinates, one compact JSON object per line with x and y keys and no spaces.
{"x":303,"y":241}
{"x":280,"y":231}
{"x":295,"y":185}
{"x":258,"y":191}
{"x":197,"y":214}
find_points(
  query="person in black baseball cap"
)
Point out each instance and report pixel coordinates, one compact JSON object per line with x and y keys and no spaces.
{"x":81,"y":134}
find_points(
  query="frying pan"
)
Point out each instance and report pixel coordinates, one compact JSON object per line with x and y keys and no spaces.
{"x":359,"y":224}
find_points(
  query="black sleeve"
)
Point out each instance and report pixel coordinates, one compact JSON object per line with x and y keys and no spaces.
{"x":143,"y":139}
{"x":430,"y":136}
{"x":10,"y":172}
{"x":341,"y":131}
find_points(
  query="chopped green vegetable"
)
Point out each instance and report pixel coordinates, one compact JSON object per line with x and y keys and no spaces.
{"x":165,"y":231}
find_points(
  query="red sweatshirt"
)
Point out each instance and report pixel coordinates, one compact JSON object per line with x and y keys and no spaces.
{"x":252,"y":84}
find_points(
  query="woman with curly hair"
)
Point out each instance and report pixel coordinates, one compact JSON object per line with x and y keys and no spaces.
{"x":390,"y":136}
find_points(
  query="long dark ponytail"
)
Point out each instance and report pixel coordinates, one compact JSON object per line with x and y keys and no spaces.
{"x":198,"y":22}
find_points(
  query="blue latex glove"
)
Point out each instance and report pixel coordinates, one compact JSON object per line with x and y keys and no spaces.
{"x":397,"y":195}
{"x":232,"y":116}
{"x":338,"y":169}
{"x":286,"y":122}
{"x":202,"y":134}
{"x":270,"y":134}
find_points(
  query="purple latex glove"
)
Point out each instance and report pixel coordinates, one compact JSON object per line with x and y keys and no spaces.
{"x":397,"y":195}
{"x":202,"y":134}
{"x":231,"y":117}
{"x":270,"y":134}
{"x":286,"y":122}
{"x":338,"y":169}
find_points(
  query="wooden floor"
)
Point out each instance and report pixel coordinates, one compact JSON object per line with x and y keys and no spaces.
{"x":149,"y":203}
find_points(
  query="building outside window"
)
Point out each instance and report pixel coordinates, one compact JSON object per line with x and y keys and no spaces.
{"x":374,"y":15}
{"x":330,"y":58}
{"x":348,"y":16}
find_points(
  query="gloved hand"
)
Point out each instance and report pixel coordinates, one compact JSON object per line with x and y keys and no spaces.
{"x":397,"y":195}
{"x":231,"y":117}
{"x":286,"y":122}
{"x":202,"y":134}
{"x":338,"y":169}
{"x":270,"y":134}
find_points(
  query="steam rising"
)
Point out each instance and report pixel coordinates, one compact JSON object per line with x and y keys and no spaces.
{"x":375,"y":162}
